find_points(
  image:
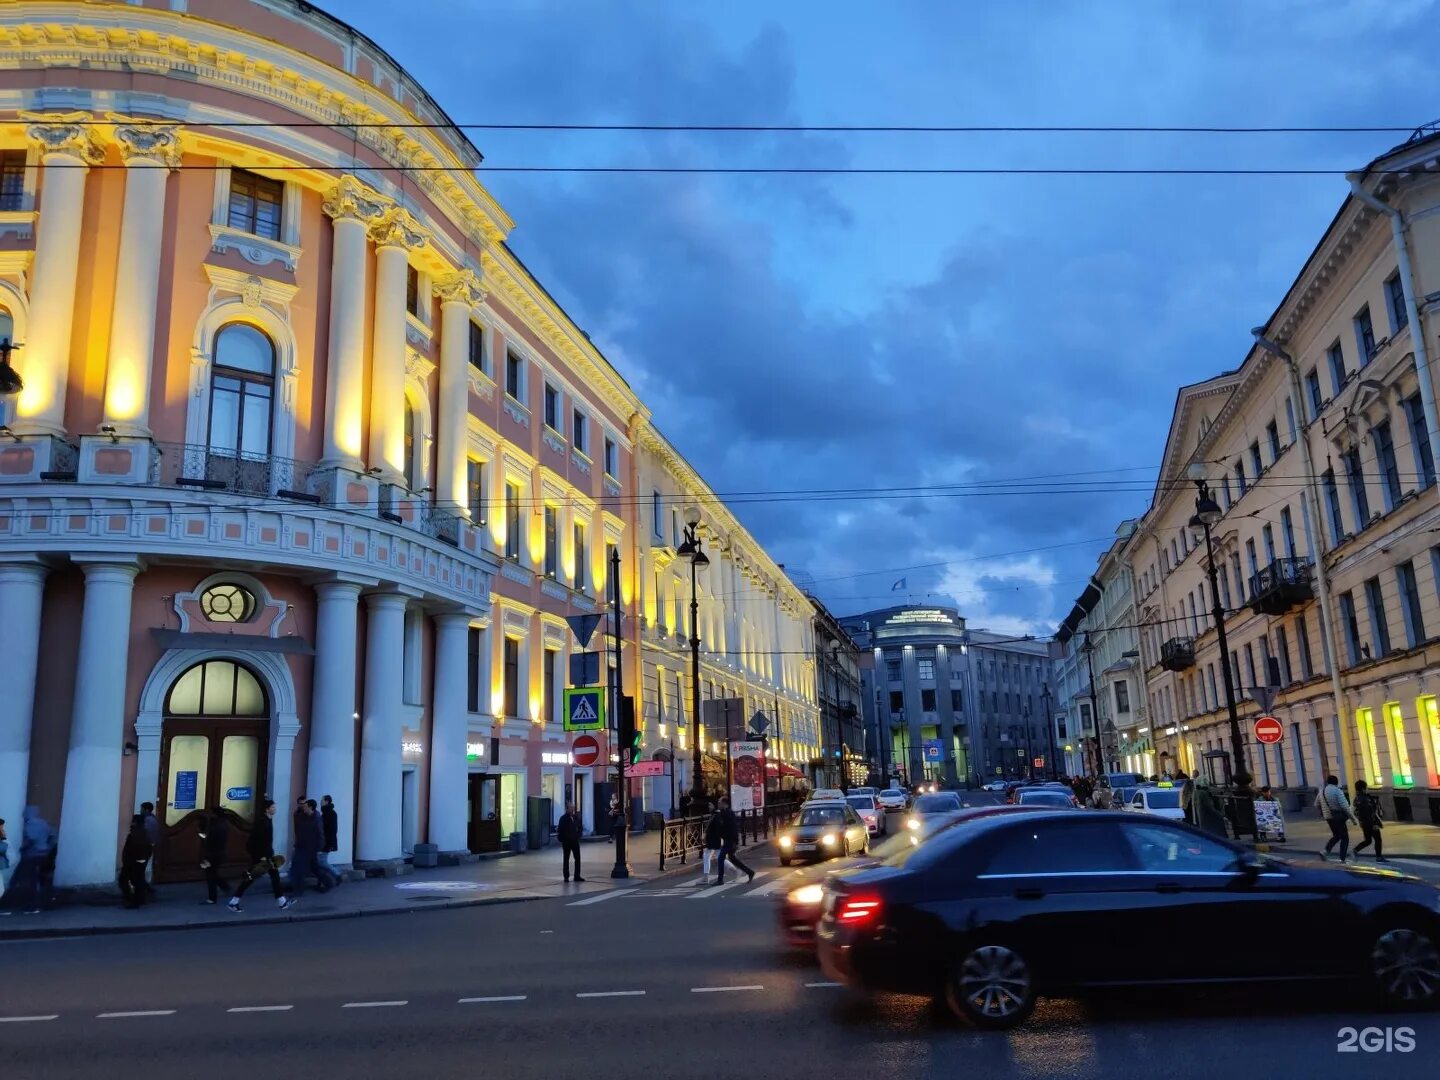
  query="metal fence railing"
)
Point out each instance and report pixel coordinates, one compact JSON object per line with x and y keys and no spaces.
{"x":679,"y":837}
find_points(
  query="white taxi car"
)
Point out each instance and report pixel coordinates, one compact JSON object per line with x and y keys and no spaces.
{"x":1162,"y":800}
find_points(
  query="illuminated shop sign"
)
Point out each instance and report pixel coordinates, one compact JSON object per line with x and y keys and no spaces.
{"x":921,"y":615}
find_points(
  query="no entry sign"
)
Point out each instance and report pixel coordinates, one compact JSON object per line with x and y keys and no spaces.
{"x":1268,"y":730}
{"x":586,"y":750}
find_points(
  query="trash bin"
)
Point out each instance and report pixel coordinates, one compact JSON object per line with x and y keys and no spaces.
{"x":517,"y":842}
{"x":426,"y":855}
{"x":538,"y":809}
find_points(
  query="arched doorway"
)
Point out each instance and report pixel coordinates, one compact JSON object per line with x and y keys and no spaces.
{"x":214,"y":751}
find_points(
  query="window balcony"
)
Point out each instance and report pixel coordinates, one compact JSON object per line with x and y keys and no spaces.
{"x":1177,"y":654}
{"x":1280,"y":586}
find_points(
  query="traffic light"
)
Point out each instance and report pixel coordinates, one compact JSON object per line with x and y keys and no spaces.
{"x":631,"y":736}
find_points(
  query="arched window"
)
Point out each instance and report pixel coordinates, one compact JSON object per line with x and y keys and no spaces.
{"x":242,"y":391}
{"x":410,"y":471}
{"x":216,"y":688}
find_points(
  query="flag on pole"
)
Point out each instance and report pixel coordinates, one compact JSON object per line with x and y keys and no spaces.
{"x":898,"y":585}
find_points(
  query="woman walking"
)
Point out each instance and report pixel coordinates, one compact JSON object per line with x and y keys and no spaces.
{"x":1368,"y":814}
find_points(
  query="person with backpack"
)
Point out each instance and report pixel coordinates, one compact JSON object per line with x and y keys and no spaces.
{"x":1334,"y":807}
{"x":1370,"y":817}
{"x":261,"y":848}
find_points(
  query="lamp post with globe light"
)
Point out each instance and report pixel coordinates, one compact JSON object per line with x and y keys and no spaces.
{"x":691,"y":549}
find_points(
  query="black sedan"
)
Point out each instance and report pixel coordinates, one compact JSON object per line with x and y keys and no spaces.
{"x":989,"y":917}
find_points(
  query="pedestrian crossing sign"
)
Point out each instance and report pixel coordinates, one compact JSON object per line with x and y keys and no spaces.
{"x":585,"y":708}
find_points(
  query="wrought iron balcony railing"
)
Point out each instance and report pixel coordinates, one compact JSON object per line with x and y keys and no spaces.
{"x":1177,"y":654}
{"x":1281,"y":585}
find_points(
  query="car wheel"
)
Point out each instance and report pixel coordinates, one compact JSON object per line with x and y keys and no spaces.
{"x":1404,"y":968}
{"x":784,"y":861}
{"x":865,"y":846}
{"x":992,"y":987}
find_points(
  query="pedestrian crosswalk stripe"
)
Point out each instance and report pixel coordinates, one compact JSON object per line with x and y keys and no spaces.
{"x":769,"y":887}
{"x":598,"y":898}
{"x":714,"y":890}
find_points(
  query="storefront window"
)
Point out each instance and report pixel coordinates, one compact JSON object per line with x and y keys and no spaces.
{"x":512,"y":801}
{"x":1370,"y":758}
{"x":1400,"y":753}
{"x":1429,"y":711}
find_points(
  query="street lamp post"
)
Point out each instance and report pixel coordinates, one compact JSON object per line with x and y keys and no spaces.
{"x":1207,"y":513}
{"x":691,"y":549}
{"x":1089,"y":650}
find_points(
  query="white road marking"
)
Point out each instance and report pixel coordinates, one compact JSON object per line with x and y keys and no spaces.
{"x":27,"y":1019}
{"x":487,"y":1000}
{"x":135,"y":1013}
{"x":769,"y":887}
{"x":612,"y":993}
{"x":600,"y":897}
{"x":714,"y":890}
{"x":260,"y":1008}
{"x":722,"y":989}
{"x":373,"y":1004}
{"x":820,"y":985}
{"x":547,"y":931}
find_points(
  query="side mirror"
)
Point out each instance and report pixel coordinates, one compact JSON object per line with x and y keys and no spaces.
{"x":1250,"y":864}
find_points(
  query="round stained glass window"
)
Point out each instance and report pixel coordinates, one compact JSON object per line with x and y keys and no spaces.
{"x":227,"y":604}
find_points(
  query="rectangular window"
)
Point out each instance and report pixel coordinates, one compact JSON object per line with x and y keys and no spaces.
{"x":927,"y":700}
{"x":1420,"y":440}
{"x":1272,"y":433}
{"x":475,"y":490}
{"x":1312,"y":389}
{"x":1365,"y":728}
{"x":657,"y":516}
{"x":1389,"y":467}
{"x":472,"y":670}
{"x":1267,"y":536}
{"x":1240,"y":478}
{"x":512,"y":677}
{"x":1214,"y":687}
{"x":1225,"y":586}
{"x":1395,"y":298}
{"x":893,"y":670}
{"x":1122,"y":696}
{"x":957,"y":701}
{"x":1336,"y":356}
{"x":1250,"y":663}
{"x":255,"y":204}
{"x":1332,"y":507}
{"x":1379,"y":626}
{"x":610,"y":572}
{"x":1250,"y":555}
{"x":478,"y":359}
{"x":1410,"y":604}
{"x":12,"y":180}
{"x":1225,"y":491}
{"x":412,"y":291}
{"x":897,"y":702}
{"x":580,"y":431}
{"x":552,"y":407}
{"x":1287,"y":532}
{"x":552,"y":541}
{"x":1290,"y":419}
{"x":1400,"y":752}
{"x":512,"y":522}
{"x":1351,"y":626}
{"x":1282,"y":655}
{"x":612,"y":458}
{"x":582,"y":558}
{"x":514,"y":376}
{"x":1359,"y":500}
{"x":926,"y":668}
{"x":1302,"y":642}
{"x":1256,"y":466}
{"x":1364,"y":335}
{"x":548,"y":698}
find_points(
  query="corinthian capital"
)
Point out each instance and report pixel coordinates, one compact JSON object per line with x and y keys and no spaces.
{"x":71,"y":134}
{"x":397,"y":227}
{"x":158,"y":144}
{"x":350,"y":198}
{"x":461,"y":287}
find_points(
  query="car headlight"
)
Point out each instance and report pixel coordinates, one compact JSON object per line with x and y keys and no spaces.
{"x":807,"y":894}
{"x":828,"y":839}
{"x":912,"y":823}
{"x":785,"y":841}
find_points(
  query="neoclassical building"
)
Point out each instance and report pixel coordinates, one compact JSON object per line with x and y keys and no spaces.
{"x":308,"y":470}
{"x":1319,"y":450}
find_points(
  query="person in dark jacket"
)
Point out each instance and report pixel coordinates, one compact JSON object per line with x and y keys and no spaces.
{"x":133,"y":857}
{"x":1367,"y":813}
{"x":714,"y":840}
{"x":330,"y":834}
{"x":568,"y":833}
{"x":152,"y":833}
{"x":214,"y":841}
{"x":729,"y":841}
{"x":326,"y":877}
{"x":306,"y":852}
{"x":261,"y":847}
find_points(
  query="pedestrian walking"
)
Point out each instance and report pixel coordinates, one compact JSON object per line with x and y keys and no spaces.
{"x":133,"y":858}
{"x":325,"y":878}
{"x":1205,"y":805}
{"x":4,"y":857}
{"x":714,"y":838}
{"x":614,"y":818}
{"x":261,"y":848}
{"x":27,"y":884}
{"x":152,"y":833}
{"x":568,"y":833}
{"x":330,"y":834}
{"x":729,"y":841}
{"x":1334,"y":807}
{"x":306,"y":850}
{"x":214,"y":841}
{"x":1371,"y":820}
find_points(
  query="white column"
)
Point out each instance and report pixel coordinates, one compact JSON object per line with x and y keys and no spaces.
{"x":89,"y":814}
{"x":353,"y":206}
{"x":44,"y":363}
{"x":331,"y":768}
{"x":150,"y":153}
{"x":378,"y":819}
{"x":22,"y":590}
{"x":449,"y":730}
{"x":458,"y":294}
{"x":395,"y":235}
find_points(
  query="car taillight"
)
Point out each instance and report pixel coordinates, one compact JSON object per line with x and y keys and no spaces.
{"x":858,"y":909}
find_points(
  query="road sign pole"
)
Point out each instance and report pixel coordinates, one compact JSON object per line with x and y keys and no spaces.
{"x":621,"y":869}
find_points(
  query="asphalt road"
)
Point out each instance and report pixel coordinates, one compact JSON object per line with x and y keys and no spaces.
{"x":665,"y":981}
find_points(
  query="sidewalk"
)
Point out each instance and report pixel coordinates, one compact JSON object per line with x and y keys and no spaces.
{"x":1306,"y":832}
{"x":497,"y":880}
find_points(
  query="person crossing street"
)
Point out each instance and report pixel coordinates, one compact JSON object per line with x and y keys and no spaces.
{"x":1334,"y":807}
{"x":1370,"y":817}
{"x":729,"y":841}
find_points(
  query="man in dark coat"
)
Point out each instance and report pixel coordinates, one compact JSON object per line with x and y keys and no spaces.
{"x":568,"y":833}
{"x":261,"y":847}
{"x":330,"y":832}
{"x":729,"y":841}
{"x":133,"y":857}
{"x":214,"y":842}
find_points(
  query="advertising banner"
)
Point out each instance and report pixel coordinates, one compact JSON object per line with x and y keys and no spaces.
{"x":747,"y":776}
